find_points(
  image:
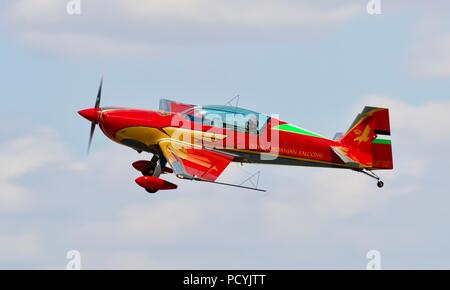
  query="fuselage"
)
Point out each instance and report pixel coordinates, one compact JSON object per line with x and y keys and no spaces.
{"x":274,"y":142}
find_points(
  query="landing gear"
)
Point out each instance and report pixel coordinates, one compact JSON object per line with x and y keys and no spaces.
{"x":154,"y":168}
{"x":151,"y":170}
{"x":370,"y":173}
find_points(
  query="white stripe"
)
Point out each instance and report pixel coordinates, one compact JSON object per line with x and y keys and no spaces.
{"x":383,"y":137}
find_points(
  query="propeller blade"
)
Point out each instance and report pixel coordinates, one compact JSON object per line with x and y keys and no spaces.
{"x":99,"y":94}
{"x":90,"y":136}
{"x":88,"y":112}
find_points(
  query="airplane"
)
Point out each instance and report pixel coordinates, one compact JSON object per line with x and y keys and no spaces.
{"x":199,"y":142}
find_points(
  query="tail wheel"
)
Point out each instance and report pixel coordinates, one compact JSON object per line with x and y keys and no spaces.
{"x":370,"y":173}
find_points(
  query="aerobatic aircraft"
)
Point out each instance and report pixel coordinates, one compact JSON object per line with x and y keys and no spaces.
{"x":199,"y":142}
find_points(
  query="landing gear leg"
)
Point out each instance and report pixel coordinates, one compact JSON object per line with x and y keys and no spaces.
{"x":155,"y":167}
{"x":154,"y":170}
{"x":370,"y":173}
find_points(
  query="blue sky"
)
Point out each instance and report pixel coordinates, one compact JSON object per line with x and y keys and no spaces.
{"x":315,"y":63}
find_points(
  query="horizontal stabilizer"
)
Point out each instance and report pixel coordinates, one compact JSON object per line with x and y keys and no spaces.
{"x":342,"y":154}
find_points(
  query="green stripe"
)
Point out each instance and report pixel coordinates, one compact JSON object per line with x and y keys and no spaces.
{"x":297,"y":130}
{"x":382,"y":141}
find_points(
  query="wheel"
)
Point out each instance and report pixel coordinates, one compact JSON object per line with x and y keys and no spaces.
{"x":380,"y":184}
{"x":150,"y":171}
{"x":151,"y":190}
{"x":144,"y":173}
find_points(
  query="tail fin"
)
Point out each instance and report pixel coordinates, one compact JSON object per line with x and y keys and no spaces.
{"x":369,"y":138}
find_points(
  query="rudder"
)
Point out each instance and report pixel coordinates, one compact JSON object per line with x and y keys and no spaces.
{"x":370,"y":138}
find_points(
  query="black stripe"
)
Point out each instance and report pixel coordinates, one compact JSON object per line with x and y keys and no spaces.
{"x":381,"y":132}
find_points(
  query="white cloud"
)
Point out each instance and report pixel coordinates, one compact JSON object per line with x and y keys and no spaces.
{"x":433,"y":60}
{"x":80,"y":44}
{"x":17,"y":247}
{"x":419,"y":132}
{"x":150,"y":224}
{"x":421,"y":123}
{"x":22,"y":156}
{"x":427,"y":53}
{"x":129,"y":261}
{"x":40,"y":12}
{"x":140,"y":26}
{"x":261,"y":14}
{"x":429,"y":57}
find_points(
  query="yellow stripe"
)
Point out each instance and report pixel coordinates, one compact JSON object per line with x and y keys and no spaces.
{"x":153,"y":136}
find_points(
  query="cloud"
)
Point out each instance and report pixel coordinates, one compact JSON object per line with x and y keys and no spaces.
{"x":80,"y":44}
{"x":418,"y":132}
{"x":20,"y":157}
{"x":423,"y":123}
{"x":250,"y":14}
{"x":140,"y":26}
{"x":128,"y":261}
{"x":16,"y":247}
{"x":429,"y":57}
{"x":151,"y":224}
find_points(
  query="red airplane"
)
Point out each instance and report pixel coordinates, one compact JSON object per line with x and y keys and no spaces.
{"x":199,"y":142}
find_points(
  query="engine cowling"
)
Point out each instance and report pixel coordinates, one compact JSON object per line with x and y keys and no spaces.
{"x":153,"y":184}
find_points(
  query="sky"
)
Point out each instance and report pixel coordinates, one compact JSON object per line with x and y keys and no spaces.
{"x":314,"y":63}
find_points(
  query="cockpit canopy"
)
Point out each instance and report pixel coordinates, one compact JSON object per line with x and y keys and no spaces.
{"x":234,"y":118}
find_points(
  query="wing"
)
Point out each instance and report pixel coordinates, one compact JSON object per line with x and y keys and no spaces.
{"x":195,"y":162}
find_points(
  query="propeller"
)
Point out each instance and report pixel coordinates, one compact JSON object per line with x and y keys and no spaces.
{"x":93,"y":114}
{"x":97,"y":105}
{"x":91,"y":135}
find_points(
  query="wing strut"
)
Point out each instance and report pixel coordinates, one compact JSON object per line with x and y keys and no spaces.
{"x":250,"y":179}
{"x":229,"y":184}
